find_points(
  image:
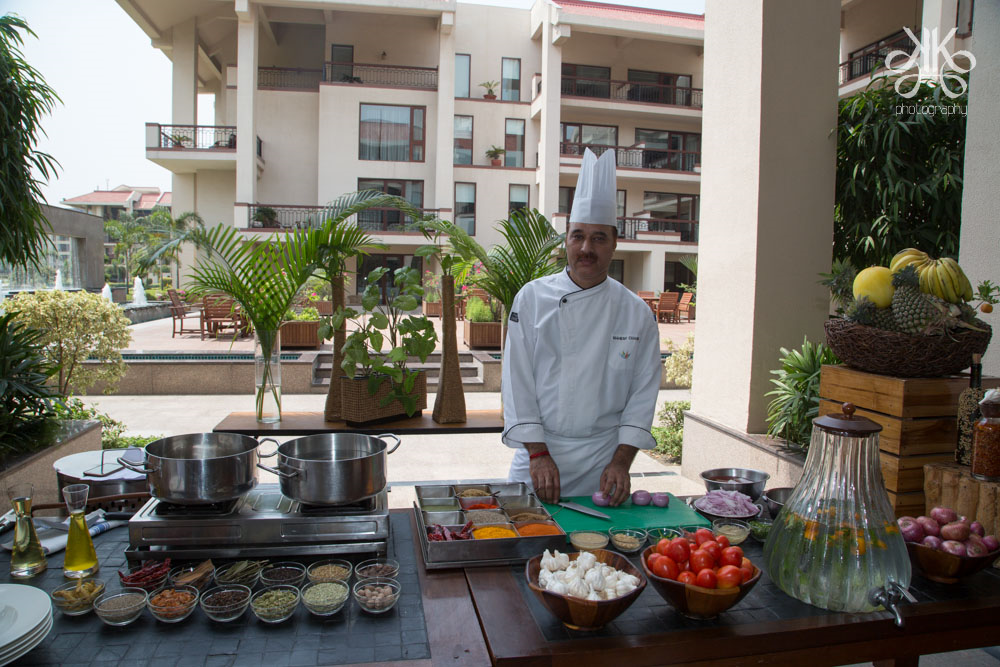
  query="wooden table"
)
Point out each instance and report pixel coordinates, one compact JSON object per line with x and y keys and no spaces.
{"x":308,"y":423}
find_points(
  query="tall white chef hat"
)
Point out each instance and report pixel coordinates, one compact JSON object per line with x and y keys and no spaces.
{"x":595,"y":200}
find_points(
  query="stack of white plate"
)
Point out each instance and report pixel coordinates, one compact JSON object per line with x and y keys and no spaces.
{"x":25,"y":620}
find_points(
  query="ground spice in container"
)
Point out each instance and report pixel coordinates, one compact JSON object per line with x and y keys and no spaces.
{"x":327,"y":572}
{"x":492,"y":533}
{"x":986,"y":439}
{"x":483,"y":506}
{"x":484,"y":517}
{"x":528,"y":516}
{"x":120,"y":608}
{"x":535,"y":529}
{"x":473,"y":493}
{"x":328,"y":594}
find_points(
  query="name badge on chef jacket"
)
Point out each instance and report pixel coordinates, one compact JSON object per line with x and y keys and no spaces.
{"x":622,"y":350}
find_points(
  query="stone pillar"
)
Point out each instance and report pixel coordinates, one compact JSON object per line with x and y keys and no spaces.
{"x":940,"y":14}
{"x":246,"y":96}
{"x":184,"y":89}
{"x":768,"y":172}
{"x":444,"y":168}
{"x":553,"y":35}
{"x":979,"y":248}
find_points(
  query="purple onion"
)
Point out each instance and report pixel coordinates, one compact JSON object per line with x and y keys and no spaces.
{"x":944,"y":515}
{"x":661,"y":499}
{"x":910,"y":529}
{"x":956,"y":530}
{"x":977,"y":528}
{"x":641,"y":497}
{"x":991,"y":543}
{"x":930,"y":526}
{"x":953,"y":547}
{"x":932,"y":541}
{"x":600,"y":499}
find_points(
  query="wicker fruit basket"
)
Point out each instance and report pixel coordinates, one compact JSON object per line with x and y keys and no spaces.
{"x":905,"y":355}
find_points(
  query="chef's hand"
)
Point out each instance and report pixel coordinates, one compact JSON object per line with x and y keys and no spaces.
{"x":615,"y":481}
{"x":544,"y":474}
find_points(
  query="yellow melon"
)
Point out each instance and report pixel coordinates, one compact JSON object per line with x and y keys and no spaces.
{"x":875,"y":282}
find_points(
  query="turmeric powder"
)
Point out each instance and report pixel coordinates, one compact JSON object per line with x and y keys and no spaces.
{"x":492,"y":532}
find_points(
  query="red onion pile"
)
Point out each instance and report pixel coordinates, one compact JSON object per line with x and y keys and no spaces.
{"x":946,"y":531}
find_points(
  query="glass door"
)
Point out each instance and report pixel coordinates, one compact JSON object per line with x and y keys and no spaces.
{"x":342,"y":63}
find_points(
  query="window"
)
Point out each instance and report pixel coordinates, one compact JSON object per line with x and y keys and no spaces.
{"x":964,"y":19}
{"x":663,"y":88}
{"x":671,"y":207}
{"x":341,"y":67}
{"x":375,"y":219}
{"x":392,"y":133}
{"x":463,"y":139}
{"x":674,"y":275}
{"x":681,"y":150}
{"x":463,"y":66}
{"x":510,"y":84}
{"x":586,"y":81}
{"x":465,"y":207}
{"x":577,"y":136}
{"x":617,"y":270}
{"x":514,"y":143}
{"x":517,"y":197}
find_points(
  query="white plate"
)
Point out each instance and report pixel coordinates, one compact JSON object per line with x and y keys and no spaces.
{"x":7,"y":617}
{"x":34,"y":639}
{"x":33,"y":607}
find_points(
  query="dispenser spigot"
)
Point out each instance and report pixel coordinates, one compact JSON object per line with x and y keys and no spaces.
{"x":889,"y":596}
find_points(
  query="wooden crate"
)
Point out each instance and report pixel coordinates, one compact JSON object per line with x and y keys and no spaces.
{"x":918,"y":420}
{"x":953,"y":485}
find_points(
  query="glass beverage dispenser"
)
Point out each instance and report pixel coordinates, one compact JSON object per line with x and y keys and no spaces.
{"x":836,"y":542}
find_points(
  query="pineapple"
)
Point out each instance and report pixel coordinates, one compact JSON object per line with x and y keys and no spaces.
{"x":884,"y":319}
{"x":864,"y":311}
{"x":912,"y":310}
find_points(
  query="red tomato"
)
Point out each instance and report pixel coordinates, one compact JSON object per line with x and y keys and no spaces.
{"x":686,"y":577}
{"x":746,"y":573}
{"x":651,"y":559}
{"x":722,"y":540}
{"x":729,"y":576}
{"x":712,"y":547}
{"x":666,"y":568}
{"x":703,"y":535}
{"x":679,"y":549}
{"x":700,"y":560}
{"x":732,"y":556}
{"x":746,"y":563}
{"x":706,"y":579}
{"x":661,"y":546}
{"x":685,"y":566}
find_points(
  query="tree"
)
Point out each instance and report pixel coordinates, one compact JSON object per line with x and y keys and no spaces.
{"x":132,"y":238}
{"x":168,"y":234}
{"x":899,"y":173}
{"x":24,"y":99}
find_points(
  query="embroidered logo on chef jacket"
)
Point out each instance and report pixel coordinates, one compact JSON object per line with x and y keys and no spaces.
{"x":513,"y":317}
{"x":624,"y":355}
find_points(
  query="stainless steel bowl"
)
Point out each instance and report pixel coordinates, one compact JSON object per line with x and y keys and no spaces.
{"x":774,"y":499}
{"x":732,"y":479}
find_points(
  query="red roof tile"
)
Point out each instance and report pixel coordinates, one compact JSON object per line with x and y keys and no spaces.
{"x":99,"y":197}
{"x":624,"y":13}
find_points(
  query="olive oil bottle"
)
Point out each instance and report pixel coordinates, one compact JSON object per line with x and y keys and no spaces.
{"x":81,"y":558}
{"x":27,"y":558}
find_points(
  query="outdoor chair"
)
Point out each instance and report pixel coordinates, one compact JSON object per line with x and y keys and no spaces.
{"x":178,"y":312}
{"x":219,"y":313}
{"x":666,"y":308}
{"x":684,"y":306}
{"x":650,"y":299}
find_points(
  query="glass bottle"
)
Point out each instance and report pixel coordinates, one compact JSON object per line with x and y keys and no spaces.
{"x":27,"y":558}
{"x":986,"y":440}
{"x":81,"y":558}
{"x":968,"y":411}
{"x":837,"y":537}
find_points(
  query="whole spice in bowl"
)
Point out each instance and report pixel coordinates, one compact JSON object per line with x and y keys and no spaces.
{"x":77,"y":597}
{"x":225,"y":603}
{"x":245,"y":572}
{"x":627,"y":540}
{"x":198,"y":575}
{"x":286,"y":572}
{"x":324,"y":598}
{"x":275,"y":604}
{"x":329,"y":570}
{"x":376,"y":596}
{"x":377,"y":567}
{"x":172,"y":605}
{"x":149,"y":577}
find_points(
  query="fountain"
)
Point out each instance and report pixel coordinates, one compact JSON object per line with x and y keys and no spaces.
{"x":59,"y":284}
{"x":138,"y":293}
{"x":106,"y":292}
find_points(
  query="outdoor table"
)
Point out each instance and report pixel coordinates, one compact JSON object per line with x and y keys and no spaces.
{"x":309,"y":423}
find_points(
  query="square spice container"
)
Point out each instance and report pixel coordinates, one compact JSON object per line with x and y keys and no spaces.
{"x":512,"y":489}
{"x":444,"y":518}
{"x":459,"y":488}
{"x":435,"y":491}
{"x":470,"y":503}
{"x":440,"y":505}
{"x":525,"y":502}
{"x":485,"y":517}
{"x":552,"y":528}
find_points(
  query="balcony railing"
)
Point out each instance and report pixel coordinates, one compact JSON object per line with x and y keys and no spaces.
{"x":381,"y":75}
{"x":631,"y":91}
{"x":288,"y":77}
{"x":688,"y":229}
{"x":872,"y":57}
{"x":196,"y":136}
{"x":639,"y":158}
{"x":280,"y":216}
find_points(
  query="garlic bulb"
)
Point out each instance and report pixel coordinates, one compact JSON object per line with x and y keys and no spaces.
{"x":623,"y":588}
{"x":562,"y":560}
{"x":611,"y":578}
{"x":549,"y":562}
{"x":585,"y":561}
{"x":544,"y":576}
{"x":610,"y":593}
{"x":594,"y":596}
{"x":557,"y":586}
{"x":579,"y":589}
{"x":594,"y":578}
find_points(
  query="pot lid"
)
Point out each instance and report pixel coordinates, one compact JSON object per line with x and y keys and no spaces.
{"x":847,"y":423}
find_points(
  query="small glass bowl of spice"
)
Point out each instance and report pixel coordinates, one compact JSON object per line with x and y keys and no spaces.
{"x":736,"y":531}
{"x":378,"y":595}
{"x":173,"y":604}
{"x":122,"y":606}
{"x":325,"y":598}
{"x":628,"y":540}
{"x":331,"y":569}
{"x":199,"y":575}
{"x":148,"y":577}
{"x":385,"y":568}
{"x":225,"y":603}
{"x":77,"y":597}
{"x":244,"y":572}
{"x":588,"y":540}
{"x":275,"y":604}
{"x":283,"y":573}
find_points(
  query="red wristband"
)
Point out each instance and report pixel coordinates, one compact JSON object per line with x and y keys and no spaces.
{"x":538,"y":454}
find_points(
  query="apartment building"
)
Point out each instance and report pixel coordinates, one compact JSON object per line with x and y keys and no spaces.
{"x":340,"y":95}
{"x":110,"y":204}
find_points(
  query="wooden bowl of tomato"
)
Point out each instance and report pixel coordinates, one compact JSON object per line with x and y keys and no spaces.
{"x":697,"y":575}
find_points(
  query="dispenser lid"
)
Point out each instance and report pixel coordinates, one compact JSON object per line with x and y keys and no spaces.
{"x":847,"y":423}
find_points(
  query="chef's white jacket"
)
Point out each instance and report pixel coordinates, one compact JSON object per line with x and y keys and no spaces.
{"x":581,"y":372}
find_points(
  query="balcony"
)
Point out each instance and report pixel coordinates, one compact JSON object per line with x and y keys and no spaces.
{"x":290,"y":217}
{"x":288,"y":78}
{"x":631,"y":91}
{"x":188,"y":148}
{"x":866,"y":60}
{"x":390,"y":76}
{"x":639,"y":157}
{"x":644,"y":228}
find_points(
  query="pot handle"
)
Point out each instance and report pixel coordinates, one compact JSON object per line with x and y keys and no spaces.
{"x":394,"y":437}
{"x":286,"y":475}
{"x":144,"y":469}
{"x":261,"y":442}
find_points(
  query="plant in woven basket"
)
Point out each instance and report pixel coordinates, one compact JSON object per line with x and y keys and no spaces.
{"x":385,"y":336}
{"x":796,"y":394}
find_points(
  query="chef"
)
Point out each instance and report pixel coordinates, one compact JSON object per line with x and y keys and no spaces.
{"x":582,"y":364}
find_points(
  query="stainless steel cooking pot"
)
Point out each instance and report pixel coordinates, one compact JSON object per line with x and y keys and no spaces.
{"x":200,"y":468}
{"x":332,"y":468}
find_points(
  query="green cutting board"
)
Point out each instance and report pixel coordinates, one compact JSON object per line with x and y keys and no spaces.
{"x":626,"y":515}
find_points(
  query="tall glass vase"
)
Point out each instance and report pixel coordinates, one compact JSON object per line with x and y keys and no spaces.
{"x":267,"y":375}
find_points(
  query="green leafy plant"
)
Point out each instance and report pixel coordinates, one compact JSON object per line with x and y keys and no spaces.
{"x":669,"y":431}
{"x":385,"y":336}
{"x":112,"y":431}
{"x":899,"y":175}
{"x":679,"y":364}
{"x":265,"y":215}
{"x":308,"y":314}
{"x":690,"y":262}
{"x":78,"y":327}
{"x":490,"y":86}
{"x":494,"y":152}
{"x":477,"y":311}
{"x":796,"y":393}
{"x":24,"y":99}
{"x":27,"y":400}
{"x":840,"y":281}
{"x":432,"y":281}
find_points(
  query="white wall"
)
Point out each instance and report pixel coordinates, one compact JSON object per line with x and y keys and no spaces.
{"x":406,"y":40}
{"x":299,"y":45}
{"x":652,"y":56}
{"x":871,"y":20}
{"x":288,"y":123}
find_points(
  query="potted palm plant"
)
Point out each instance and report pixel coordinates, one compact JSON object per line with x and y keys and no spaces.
{"x":494,"y":153}
{"x":490,"y":87}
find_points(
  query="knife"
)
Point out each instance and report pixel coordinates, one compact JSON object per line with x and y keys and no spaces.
{"x":577,"y":507}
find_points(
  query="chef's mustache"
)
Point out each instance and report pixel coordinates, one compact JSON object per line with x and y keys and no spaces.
{"x":587,"y":255}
